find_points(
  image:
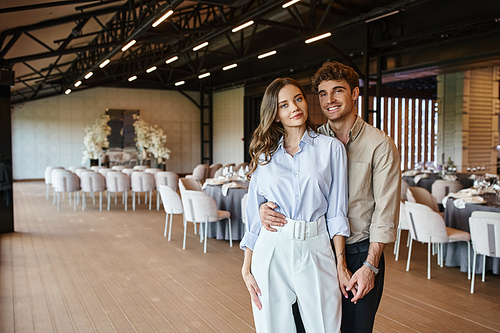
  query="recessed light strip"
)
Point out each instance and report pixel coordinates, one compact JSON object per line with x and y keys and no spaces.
{"x":132,"y":78}
{"x":382,"y":16}
{"x":243,"y":26}
{"x":179,"y":83}
{"x":228,"y":67}
{"x":267,"y":54}
{"x":202,"y":45}
{"x":88,"y":75}
{"x":163,"y":18}
{"x":174,"y":58}
{"x":77,"y":83}
{"x":288,"y":4}
{"x":204,"y":75}
{"x":314,"y":39}
{"x":68,"y":91}
{"x":129,"y":44}
{"x":151,"y":69}
{"x":104,"y":63}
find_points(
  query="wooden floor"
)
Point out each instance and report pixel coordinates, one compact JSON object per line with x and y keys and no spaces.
{"x":114,"y":271}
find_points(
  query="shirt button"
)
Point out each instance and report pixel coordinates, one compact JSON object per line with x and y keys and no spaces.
{"x":296,"y":174}
{"x":297,"y":197}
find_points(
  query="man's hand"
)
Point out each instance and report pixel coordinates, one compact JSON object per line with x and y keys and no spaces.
{"x":269,"y":218}
{"x":362,"y":281}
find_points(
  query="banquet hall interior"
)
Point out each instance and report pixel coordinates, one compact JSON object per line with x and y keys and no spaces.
{"x":120,"y":120}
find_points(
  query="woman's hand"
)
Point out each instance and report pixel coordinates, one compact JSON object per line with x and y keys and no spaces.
{"x":344,"y":276}
{"x":253,"y":288}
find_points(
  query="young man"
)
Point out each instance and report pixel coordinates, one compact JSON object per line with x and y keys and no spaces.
{"x":374,"y":192}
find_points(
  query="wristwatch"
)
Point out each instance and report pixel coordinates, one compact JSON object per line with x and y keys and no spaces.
{"x":370,"y":266}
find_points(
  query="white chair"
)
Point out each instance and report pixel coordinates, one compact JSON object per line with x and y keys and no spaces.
{"x":96,"y":168}
{"x":79,"y":172}
{"x":427,"y":226}
{"x":404,"y":189}
{"x":142,"y":182}
{"x":168,"y":178}
{"x":212,"y":169}
{"x":118,"y":167}
{"x":189,"y":184}
{"x":140,"y":167}
{"x":199,"y":207}
{"x":199,"y":172}
{"x":48,"y":178}
{"x":172,"y":205}
{"x":485,"y":236}
{"x":128,"y":171}
{"x":244,"y":211}
{"x":402,"y":225}
{"x":52,"y":177}
{"x":117,"y":182}
{"x":73,"y":168}
{"x":105,"y":171}
{"x":218,"y":173}
{"x":66,"y":182}
{"x":420,"y":195}
{"x":441,"y":188}
{"x":92,"y":182}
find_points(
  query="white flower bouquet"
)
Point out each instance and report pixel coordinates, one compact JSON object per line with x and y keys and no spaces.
{"x":96,"y":138}
{"x":150,"y":139}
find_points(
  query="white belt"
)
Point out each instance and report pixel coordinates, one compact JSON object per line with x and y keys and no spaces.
{"x":300,"y":230}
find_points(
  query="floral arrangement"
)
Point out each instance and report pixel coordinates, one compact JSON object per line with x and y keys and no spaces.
{"x":96,"y":138}
{"x":150,"y":139}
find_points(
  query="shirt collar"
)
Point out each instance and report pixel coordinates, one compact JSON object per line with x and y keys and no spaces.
{"x":307,"y":138}
{"x":353,"y":132}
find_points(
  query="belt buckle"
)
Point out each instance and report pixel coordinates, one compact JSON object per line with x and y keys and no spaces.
{"x":299,"y":230}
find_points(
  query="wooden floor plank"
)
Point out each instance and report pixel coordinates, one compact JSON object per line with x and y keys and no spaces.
{"x":100,"y":271}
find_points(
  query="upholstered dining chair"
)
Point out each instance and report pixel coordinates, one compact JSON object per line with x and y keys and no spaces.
{"x":140,"y":167}
{"x":212,"y":169}
{"x":128,"y":171}
{"x":168,"y":178}
{"x":66,"y":182}
{"x":91,"y":182}
{"x":48,"y":178}
{"x":52,"y":177}
{"x":229,"y":165}
{"x":104,"y":172}
{"x":218,"y":173}
{"x":404,"y":189}
{"x":420,"y":195}
{"x":79,"y":172}
{"x":96,"y":168}
{"x":172,"y":205}
{"x":117,"y":182}
{"x":440,"y":188}
{"x":199,"y":172}
{"x":199,"y":207}
{"x":189,"y":184}
{"x":402,"y":225}
{"x":118,"y":167}
{"x":427,"y":226}
{"x":485,"y":235}
{"x":142,"y":182}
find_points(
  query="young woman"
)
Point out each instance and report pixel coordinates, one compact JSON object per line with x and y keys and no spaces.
{"x":305,"y":174}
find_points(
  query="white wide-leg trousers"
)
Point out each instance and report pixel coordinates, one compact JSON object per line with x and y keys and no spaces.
{"x":296,"y":263}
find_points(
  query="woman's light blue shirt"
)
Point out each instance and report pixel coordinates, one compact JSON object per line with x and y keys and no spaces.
{"x":305,"y":187}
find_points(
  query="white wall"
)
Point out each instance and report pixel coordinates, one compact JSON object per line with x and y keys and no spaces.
{"x":50,"y":131}
{"x":228,"y":130}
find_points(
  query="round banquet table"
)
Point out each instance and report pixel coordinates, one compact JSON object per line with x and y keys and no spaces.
{"x":455,"y":254}
{"x":426,"y":183}
{"x":232,"y":203}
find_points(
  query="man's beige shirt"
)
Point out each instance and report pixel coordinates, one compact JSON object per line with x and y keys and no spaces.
{"x":374,"y":183}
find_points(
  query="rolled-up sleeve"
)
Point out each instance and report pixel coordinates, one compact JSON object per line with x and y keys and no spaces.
{"x":254,"y":200}
{"x":336,"y":216}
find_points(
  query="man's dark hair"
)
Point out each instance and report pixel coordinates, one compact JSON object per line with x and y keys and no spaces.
{"x":335,"y":71}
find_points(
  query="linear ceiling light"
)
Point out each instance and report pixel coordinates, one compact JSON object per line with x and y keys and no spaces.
{"x":129,"y":44}
{"x":325,"y":35}
{"x":132,"y":78}
{"x":382,"y":16}
{"x":267,"y":54}
{"x":202,"y":45}
{"x":204,"y":75}
{"x":77,"y":83}
{"x":68,"y":91}
{"x":104,"y":63}
{"x":229,"y":67}
{"x":88,"y":75}
{"x":179,"y":83}
{"x":174,"y":58}
{"x":243,"y":26}
{"x":151,"y":69}
{"x":289,"y":3}
{"x":163,"y":18}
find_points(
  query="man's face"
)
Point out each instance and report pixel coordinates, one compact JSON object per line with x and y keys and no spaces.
{"x":336,"y":99}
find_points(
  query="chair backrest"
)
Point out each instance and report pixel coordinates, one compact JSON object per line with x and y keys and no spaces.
{"x":189,"y":184}
{"x":212,"y":169}
{"x":171,"y":200}
{"x":422,"y":196}
{"x":198,"y":206}
{"x":54,"y":172}
{"x":485,"y":214}
{"x":218,"y":173}
{"x":73,"y":168}
{"x":403,"y":220}
{"x":485,"y":235}
{"x":244,"y":208}
{"x":200,"y":172}
{"x":441,"y":188}
{"x":153,"y":171}
{"x":128,"y":171}
{"x":48,"y":173}
{"x":140,"y":167}
{"x":229,"y":165}
{"x":142,"y":182}
{"x":117,"y":182}
{"x":96,"y":168}
{"x":168,"y":178}
{"x":79,"y":172}
{"x":404,"y":189}
{"x":118,"y":167}
{"x":104,"y":172}
{"x":424,"y":222}
{"x":241,"y":165}
{"x":92,"y":182}
{"x":66,"y":182}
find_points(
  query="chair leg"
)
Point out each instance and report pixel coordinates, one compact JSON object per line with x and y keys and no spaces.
{"x":206,"y":231}
{"x":109,"y":199}
{"x":126,"y":198}
{"x":473,"y":273}
{"x":139,"y":198}
{"x":83,"y":201}
{"x":150,"y":196}
{"x":468,"y":260}
{"x":93,"y":198}
{"x":185,"y":227}
{"x":396,"y":244}
{"x":398,"y":234}
{"x":409,"y":256}
{"x":133,"y":200}
{"x":146,"y":198}
{"x":170,"y":227}
{"x":53,"y":197}
{"x":441,"y":259}
{"x":47,"y":191}
{"x":230,"y":234}
{"x":58,"y":201}
{"x":429,"y":245}
{"x":484,"y":268}
{"x":100,"y":200}
{"x":166,"y":224}
{"x":157,"y":200}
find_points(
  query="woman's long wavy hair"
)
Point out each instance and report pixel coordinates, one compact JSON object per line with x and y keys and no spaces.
{"x":266,"y":137}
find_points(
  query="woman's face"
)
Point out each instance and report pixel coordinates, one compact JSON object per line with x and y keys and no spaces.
{"x":292,"y":107}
